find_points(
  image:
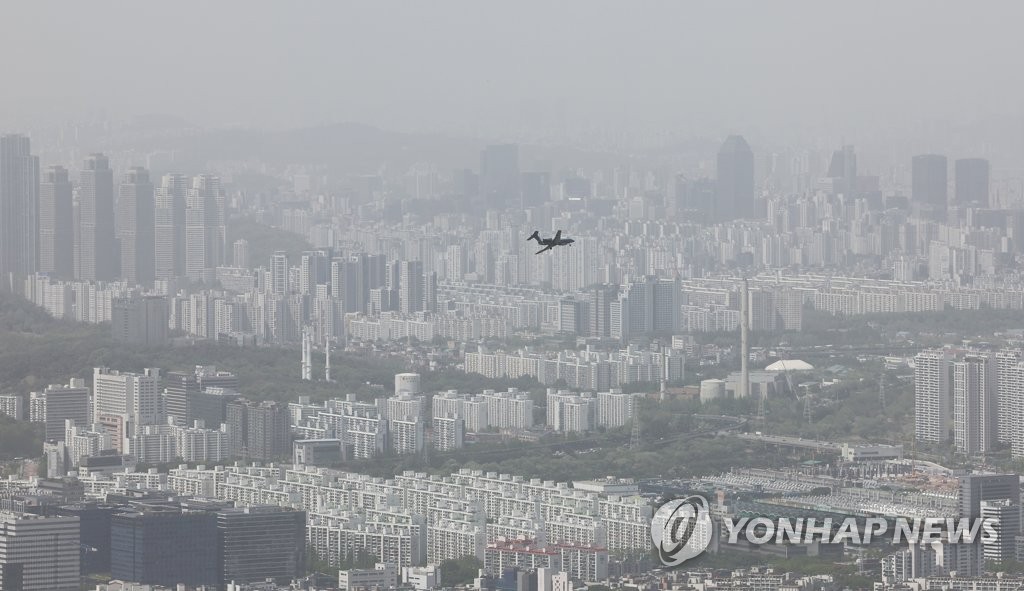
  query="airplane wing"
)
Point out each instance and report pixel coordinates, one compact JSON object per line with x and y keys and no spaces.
{"x":548,"y":247}
{"x":558,"y":236}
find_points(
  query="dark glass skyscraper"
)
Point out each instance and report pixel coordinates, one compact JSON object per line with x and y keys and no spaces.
{"x":260,"y":543}
{"x":972,"y":182}
{"x":56,"y":224}
{"x":735,"y":194}
{"x":136,"y":228}
{"x":165,"y":546}
{"x":98,"y":246}
{"x":19,"y":201}
{"x":929,"y":181}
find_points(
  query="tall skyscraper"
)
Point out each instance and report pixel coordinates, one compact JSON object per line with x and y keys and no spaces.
{"x":98,"y":246}
{"x":735,"y":194}
{"x":279,"y":273}
{"x":931,"y":396}
{"x":56,"y":224}
{"x":140,"y":320}
{"x":136,"y":228}
{"x":169,"y":226}
{"x":929,"y":181}
{"x":19,"y":202}
{"x":411,"y":287}
{"x":975,"y":421}
{"x":499,"y":176}
{"x":204,"y":228}
{"x":842,"y":169}
{"x":972,"y":182}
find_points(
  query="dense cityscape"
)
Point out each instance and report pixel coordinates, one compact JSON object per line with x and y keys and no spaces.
{"x":513,"y":348}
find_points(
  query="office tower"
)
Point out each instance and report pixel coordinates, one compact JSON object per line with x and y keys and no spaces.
{"x":536,"y":188}
{"x":928,"y":181}
{"x":258,"y":431}
{"x":140,"y":320}
{"x":94,"y":533}
{"x":735,"y":180}
{"x":499,"y":176}
{"x":136,"y":396}
{"x":411,"y":287}
{"x":19,"y":202}
{"x":62,"y":403}
{"x":313,"y":271}
{"x":1005,"y":516}
{"x":136,"y":228}
{"x":240,"y":253}
{"x":56,"y":224}
{"x":180,"y":388}
{"x":169,"y":226}
{"x":160,"y":545}
{"x":975,"y":491}
{"x":842,"y":170}
{"x":204,"y":228}
{"x":975,"y":419}
{"x":39,"y":553}
{"x":12,"y":405}
{"x":279,"y":273}
{"x":97,"y":243}
{"x":261,"y":542}
{"x":931,"y":396}
{"x":972,"y":182}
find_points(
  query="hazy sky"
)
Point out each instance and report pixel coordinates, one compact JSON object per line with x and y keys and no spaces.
{"x":706,"y":67}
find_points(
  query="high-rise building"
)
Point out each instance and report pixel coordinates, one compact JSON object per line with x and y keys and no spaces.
{"x":499,"y":176}
{"x":931,"y":396}
{"x":411,"y":287}
{"x":140,"y":320}
{"x":735,"y":180}
{"x":180,"y":388}
{"x":19,"y":202}
{"x":972,"y":182}
{"x":279,"y":273}
{"x":240,"y":253}
{"x":160,"y":545}
{"x":134,"y":395}
{"x":842,"y":171}
{"x":39,"y":553}
{"x":929,"y":182}
{"x":975,"y":420}
{"x":169,"y":226}
{"x":56,"y":224}
{"x":259,"y":431}
{"x":62,"y":403}
{"x":258,"y":543}
{"x":313,"y":271}
{"x":136,"y":228}
{"x":975,"y":491}
{"x":98,"y":256}
{"x":205,"y":233}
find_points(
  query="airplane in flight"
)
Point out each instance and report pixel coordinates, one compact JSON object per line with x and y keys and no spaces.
{"x":549,"y":243}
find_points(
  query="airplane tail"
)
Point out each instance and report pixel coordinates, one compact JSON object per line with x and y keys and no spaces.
{"x":534,"y":236}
